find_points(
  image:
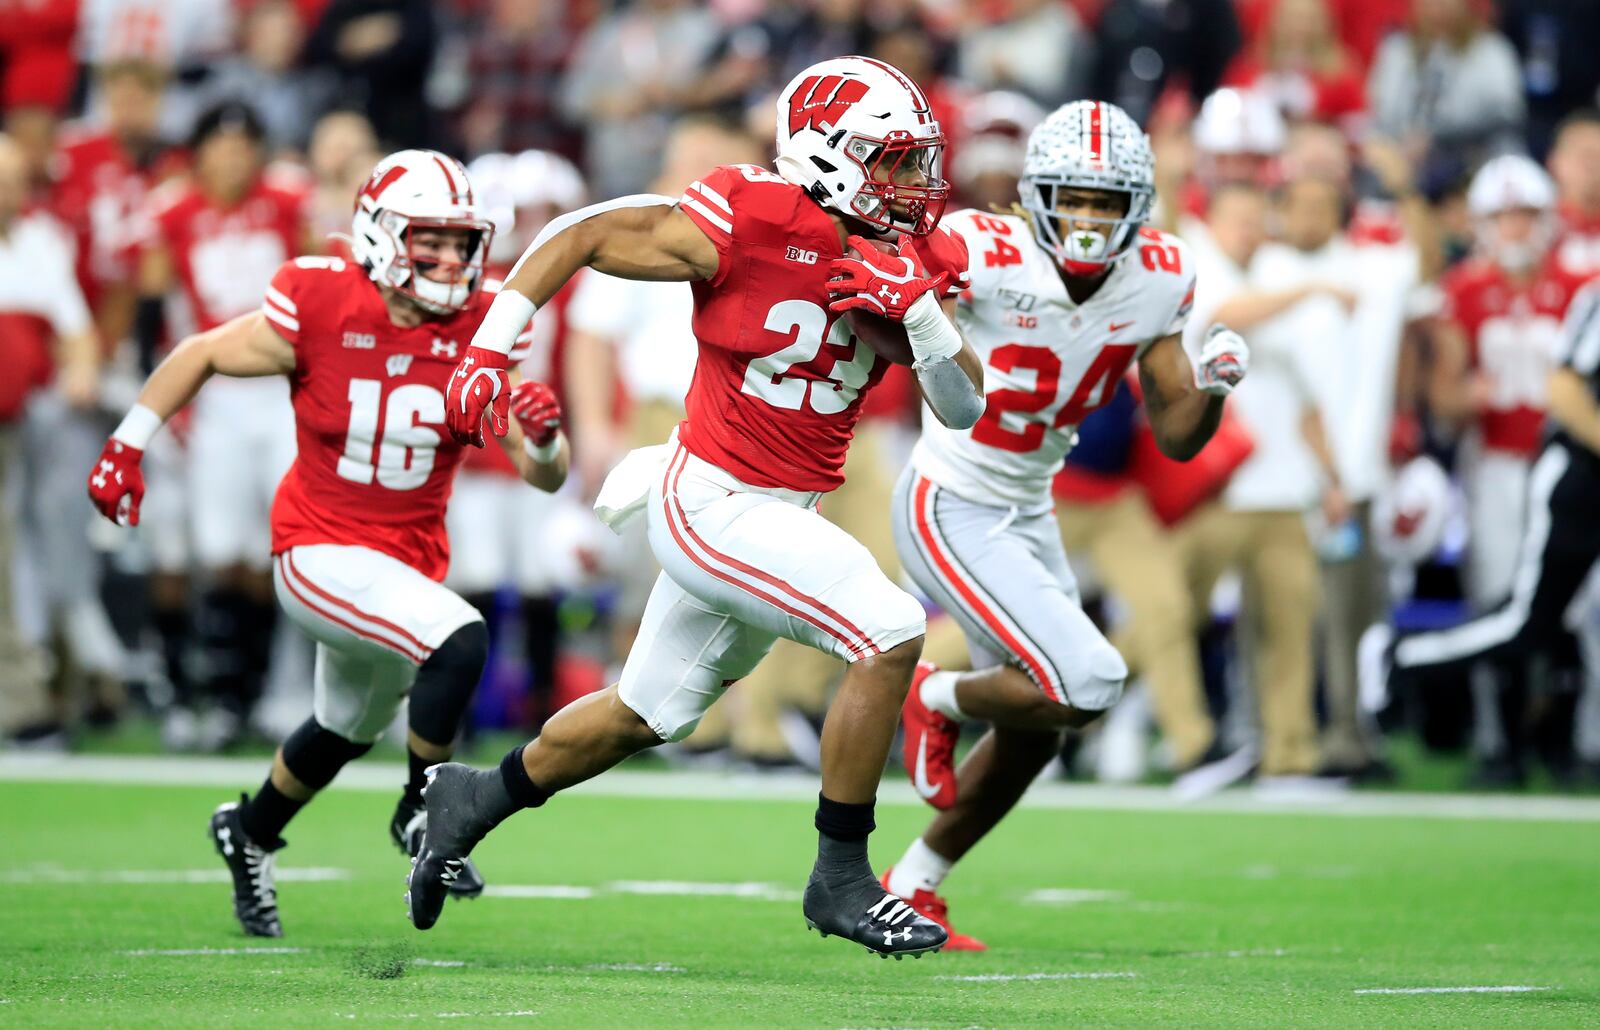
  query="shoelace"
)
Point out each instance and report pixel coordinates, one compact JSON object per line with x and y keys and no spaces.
{"x":258,"y":864}
{"x":891,"y":910}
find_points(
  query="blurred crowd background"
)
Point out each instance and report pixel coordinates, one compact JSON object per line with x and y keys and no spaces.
{"x":161,"y":157}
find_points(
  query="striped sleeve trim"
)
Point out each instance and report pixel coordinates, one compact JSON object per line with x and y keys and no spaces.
{"x":1580,"y":337}
{"x":709,"y":209}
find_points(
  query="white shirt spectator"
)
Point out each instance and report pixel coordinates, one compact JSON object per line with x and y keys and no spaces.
{"x":37,"y":278}
{"x":1281,"y":472}
{"x":651,"y":327}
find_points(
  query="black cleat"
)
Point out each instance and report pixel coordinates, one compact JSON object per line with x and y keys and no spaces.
{"x":454,"y":827}
{"x":407,"y":829}
{"x":889,"y":926}
{"x":255,"y":898}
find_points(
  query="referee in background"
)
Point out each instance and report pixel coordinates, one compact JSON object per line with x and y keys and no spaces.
{"x":1562,"y":537}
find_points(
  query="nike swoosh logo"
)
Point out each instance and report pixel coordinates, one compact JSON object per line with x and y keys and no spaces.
{"x":1117,"y":326}
{"x":919,"y":777}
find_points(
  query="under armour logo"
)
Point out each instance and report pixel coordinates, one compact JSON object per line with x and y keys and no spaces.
{"x":444,"y":348}
{"x":398,"y":364}
{"x":889,"y":936}
{"x":892,"y":296}
{"x":100,"y":477}
{"x":464,"y":369}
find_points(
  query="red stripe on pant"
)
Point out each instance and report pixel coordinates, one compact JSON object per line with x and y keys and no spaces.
{"x":948,"y":569}
{"x":294,"y":580}
{"x":860,"y":646}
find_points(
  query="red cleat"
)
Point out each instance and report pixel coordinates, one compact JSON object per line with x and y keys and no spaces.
{"x":930,"y":744}
{"x":932,"y":906}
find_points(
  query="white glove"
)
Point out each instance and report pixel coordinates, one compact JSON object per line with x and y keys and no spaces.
{"x":1224,"y":357}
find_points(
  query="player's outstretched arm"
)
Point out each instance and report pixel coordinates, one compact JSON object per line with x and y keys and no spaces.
{"x":1184,"y":401}
{"x":953,"y":388}
{"x":246,"y":347}
{"x":644,"y":237}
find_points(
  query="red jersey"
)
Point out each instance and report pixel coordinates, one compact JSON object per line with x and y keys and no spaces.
{"x":1513,"y":331}
{"x":375,"y":464}
{"x":99,"y":192}
{"x":225,"y":256}
{"x":778,"y":386}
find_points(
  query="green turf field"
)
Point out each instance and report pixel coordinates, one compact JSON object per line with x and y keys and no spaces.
{"x":1161,"y":919}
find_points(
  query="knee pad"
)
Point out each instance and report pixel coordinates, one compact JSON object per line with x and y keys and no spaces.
{"x":1100,"y":687}
{"x":315,"y":755}
{"x":445,"y":683}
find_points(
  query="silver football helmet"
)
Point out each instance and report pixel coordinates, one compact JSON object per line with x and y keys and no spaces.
{"x":1090,"y":145}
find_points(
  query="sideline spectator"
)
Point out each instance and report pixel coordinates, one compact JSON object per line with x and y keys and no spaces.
{"x":48,"y":351}
{"x":1447,"y":86}
{"x":625,"y":84}
{"x":381,"y":51}
{"x":1036,"y":47}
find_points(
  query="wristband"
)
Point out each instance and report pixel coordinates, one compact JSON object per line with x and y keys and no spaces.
{"x":137,"y":427}
{"x":507,"y":316}
{"x":543,"y":455}
{"x":930,"y":333}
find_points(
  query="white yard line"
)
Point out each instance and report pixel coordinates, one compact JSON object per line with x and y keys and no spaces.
{"x":190,"y":952}
{"x":1512,"y":989}
{"x":647,"y":888}
{"x":1072,"y":896}
{"x":802,"y":787}
{"x":635,"y":967}
{"x":45,"y":874}
{"x":1012,"y":977}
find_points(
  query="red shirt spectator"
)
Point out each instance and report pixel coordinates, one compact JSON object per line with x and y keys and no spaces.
{"x":1299,"y":61}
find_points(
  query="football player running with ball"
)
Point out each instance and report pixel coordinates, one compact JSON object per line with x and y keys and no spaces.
{"x":358,"y":530}
{"x":1064,"y":298}
{"x":731,"y":506}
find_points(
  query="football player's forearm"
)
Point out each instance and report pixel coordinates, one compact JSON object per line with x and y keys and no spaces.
{"x":1573,"y":408}
{"x":178,"y":378}
{"x":1183,"y":427}
{"x":548,"y":476}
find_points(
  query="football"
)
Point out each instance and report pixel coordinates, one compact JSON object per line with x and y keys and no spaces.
{"x":885,"y":336}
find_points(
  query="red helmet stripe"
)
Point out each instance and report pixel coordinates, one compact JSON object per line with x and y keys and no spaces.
{"x":455,"y":191}
{"x":924,"y":114}
{"x":1097,"y":144}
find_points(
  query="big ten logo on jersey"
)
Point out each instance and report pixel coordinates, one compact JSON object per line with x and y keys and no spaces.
{"x":804,"y":257}
{"x":798,"y":375}
{"x":401,"y":455}
{"x":1018,"y":320}
{"x":359,"y":341}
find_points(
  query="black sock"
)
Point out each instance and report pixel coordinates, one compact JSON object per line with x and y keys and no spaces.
{"x":843,"y":821}
{"x":523,"y":791}
{"x":265,"y":815}
{"x":418,"y":776}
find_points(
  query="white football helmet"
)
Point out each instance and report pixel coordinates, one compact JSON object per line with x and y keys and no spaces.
{"x":845,"y":126}
{"x":1087,"y":145}
{"x":1410,"y":514}
{"x":1512,"y":182}
{"x":519,"y":193}
{"x":411,"y":190}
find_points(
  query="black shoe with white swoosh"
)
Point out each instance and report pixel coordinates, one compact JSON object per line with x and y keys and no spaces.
{"x":408,"y":828}
{"x":255,"y":895}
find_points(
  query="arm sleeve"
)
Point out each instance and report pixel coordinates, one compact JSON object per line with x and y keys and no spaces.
{"x":281,"y":302}
{"x":1580,"y":334}
{"x":708,"y":201}
{"x":1180,"y":317}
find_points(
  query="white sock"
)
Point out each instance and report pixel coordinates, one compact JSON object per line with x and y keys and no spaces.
{"x":938,"y":692}
{"x":920,"y":868}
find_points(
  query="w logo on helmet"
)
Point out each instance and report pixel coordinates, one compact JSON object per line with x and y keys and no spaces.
{"x":821,"y":100}
{"x":378,"y":183}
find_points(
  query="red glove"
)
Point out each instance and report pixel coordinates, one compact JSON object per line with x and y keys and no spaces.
{"x":116,"y":485}
{"x":884,"y":284}
{"x":940,"y":251}
{"x":537,"y":411}
{"x":480,"y":384}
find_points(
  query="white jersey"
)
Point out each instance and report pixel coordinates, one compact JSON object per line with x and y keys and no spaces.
{"x":1047,"y":361}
